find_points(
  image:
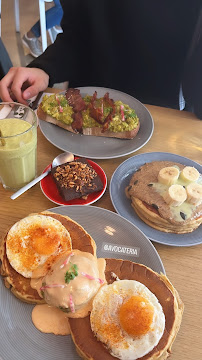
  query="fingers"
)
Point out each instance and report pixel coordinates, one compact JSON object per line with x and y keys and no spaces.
{"x":18,"y":79}
{"x":5,"y":84}
{"x":16,"y":87}
{"x":10,"y":85}
{"x":38,"y":81}
{"x":31,"y":92}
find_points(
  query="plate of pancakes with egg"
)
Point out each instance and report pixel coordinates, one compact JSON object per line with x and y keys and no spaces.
{"x":84,"y":283}
{"x":161,"y":193}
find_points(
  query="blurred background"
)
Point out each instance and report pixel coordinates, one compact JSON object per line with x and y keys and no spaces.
{"x":29,"y":14}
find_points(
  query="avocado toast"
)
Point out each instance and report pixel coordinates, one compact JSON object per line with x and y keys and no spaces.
{"x":89,"y":115}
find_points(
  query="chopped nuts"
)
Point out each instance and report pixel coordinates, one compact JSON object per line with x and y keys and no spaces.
{"x":75,"y":175}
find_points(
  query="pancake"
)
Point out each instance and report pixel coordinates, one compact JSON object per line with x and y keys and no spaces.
{"x":81,"y":240}
{"x":153,"y":219}
{"x":88,"y":347}
{"x":146,"y":195}
{"x":18,"y":284}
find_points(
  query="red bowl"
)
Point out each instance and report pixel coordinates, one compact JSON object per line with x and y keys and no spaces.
{"x":50,"y":190}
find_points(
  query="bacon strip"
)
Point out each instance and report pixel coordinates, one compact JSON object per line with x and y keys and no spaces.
{"x":97,"y":113}
{"x":75,"y":100}
{"x":94,"y":112}
{"x":110,"y":115}
{"x":78,"y":104}
{"x":77,"y":123}
{"x":108,"y":100}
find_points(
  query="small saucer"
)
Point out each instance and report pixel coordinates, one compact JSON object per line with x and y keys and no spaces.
{"x":50,"y":190}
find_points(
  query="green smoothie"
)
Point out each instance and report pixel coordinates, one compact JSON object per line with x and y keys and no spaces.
{"x":18,"y":140}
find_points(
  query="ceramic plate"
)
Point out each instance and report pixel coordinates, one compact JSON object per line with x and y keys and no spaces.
{"x":121,"y":203}
{"x":20,"y":340}
{"x":50,"y":190}
{"x":96,"y":147}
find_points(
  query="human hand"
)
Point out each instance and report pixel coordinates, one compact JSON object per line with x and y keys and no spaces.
{"x":21,"y":84}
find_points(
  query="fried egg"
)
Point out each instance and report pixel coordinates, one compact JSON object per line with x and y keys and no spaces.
{"x":127,"y":318}
{"x":34,"y":243}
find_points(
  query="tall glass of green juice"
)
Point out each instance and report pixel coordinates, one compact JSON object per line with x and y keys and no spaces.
{"x":18,"y":143}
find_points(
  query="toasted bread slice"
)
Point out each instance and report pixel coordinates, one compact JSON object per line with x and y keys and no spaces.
{"x":89,"y":348}
{"x":18,"y":284}
{"x":95,"y":131}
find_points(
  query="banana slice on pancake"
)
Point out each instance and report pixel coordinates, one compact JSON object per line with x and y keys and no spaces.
{"x":189,"y":174}
{"x":163,"y":205}
{"x":194,"y":194}
{"x":175,"y":195}
{"x":168,"y":175}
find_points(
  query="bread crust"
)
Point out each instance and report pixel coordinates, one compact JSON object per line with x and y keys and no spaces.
{"x":95,"y":131}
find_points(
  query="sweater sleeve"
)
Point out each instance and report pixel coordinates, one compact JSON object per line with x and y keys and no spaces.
{"x":192,"y":75}
{"x":59,"y":60}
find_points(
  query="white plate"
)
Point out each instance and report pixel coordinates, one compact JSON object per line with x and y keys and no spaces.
{"x":96,"y":147}
{"x":20,"y":340}
{"x":121,"y":178}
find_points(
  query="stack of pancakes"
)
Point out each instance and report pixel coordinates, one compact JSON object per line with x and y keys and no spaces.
{"x":19,"y":285}
{"x":151,"y":207}
{"x":88,"y":347}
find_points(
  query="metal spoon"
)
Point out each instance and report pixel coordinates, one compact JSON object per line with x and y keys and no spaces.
{"x":59,"y":160}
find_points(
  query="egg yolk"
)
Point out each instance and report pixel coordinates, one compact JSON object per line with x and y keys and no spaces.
{"x":44,"y":241}
{"x":136,"y":316}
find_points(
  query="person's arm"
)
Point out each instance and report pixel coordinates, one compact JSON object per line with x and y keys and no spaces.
{"x":192,"y":81}
{"x":60,"y":59}
{"x":57,"y":64}
{"x":192,"y":75}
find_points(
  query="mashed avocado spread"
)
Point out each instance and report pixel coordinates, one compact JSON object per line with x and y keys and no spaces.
{"x":124,"y":119}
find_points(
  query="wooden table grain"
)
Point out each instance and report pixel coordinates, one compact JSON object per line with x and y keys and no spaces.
{"x":175,"y":132}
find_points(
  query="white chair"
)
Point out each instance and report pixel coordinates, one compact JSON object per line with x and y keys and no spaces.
{"x":17,"y":16}
{"x":42,"y":16}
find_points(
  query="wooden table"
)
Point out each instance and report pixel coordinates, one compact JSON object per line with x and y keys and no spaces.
{"x":175,"y":132}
